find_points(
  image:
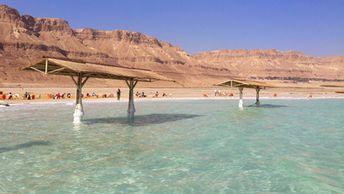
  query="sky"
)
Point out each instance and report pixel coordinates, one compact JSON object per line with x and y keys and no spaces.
{"x":315,"y":27}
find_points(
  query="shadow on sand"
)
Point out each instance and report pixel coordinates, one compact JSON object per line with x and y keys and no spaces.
{"x":267,"y":106}
{"x":24,"y":145}
{"x":142,"y":120}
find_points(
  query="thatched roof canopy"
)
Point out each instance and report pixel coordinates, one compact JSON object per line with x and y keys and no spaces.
{"x":72,"y":68}
{"x":245,"y":84}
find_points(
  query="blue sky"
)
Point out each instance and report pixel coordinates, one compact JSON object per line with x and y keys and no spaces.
{"x":313,"y":26}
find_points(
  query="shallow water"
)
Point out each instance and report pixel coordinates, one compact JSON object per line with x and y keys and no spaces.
{"x":286,"y":146}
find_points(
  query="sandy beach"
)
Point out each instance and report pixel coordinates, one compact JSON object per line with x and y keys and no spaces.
{"x":172,"y":94}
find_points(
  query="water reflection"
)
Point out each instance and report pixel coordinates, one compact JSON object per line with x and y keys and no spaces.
{"x":141,"y":120}
{"x":267,"y":106}
{"x":24,"y":145}
{"x":76,"y":127}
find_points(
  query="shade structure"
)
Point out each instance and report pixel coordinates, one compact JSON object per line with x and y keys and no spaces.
{"x":73,"y":68}
{"x":241,"y":84}
{"x":80,"y":72}
{"x":245,"y":84}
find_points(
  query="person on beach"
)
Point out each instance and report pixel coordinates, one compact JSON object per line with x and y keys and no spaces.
{"x":118,"y":94}
{"x":58,"y":96}
{"x":143,"y":95}
{"x":26,"y":95}
{"x":10,"y":96}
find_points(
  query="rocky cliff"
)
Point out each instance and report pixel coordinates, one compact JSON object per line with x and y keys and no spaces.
{"x":275,"y":65}
{"x":25,"y":39}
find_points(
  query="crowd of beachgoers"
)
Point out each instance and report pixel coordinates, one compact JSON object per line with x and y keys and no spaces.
{"x":60,"y":95}
{"x":32,"y":96}
{"x":117,"y":94}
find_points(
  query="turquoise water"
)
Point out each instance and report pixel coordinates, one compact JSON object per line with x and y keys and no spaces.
{"x":204,"y":146}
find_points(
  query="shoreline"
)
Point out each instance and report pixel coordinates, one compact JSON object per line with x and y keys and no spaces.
{"x":173,"y":94}
{"x":125,"y":100}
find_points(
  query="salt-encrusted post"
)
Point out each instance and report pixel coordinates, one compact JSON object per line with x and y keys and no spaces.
{"x":241,"y":102}
{"x":79,"y":109}
{"x":131,"y":107}
{"x":257,"y":96}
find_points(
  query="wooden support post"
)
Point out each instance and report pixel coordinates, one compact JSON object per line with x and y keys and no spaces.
{"x":78,"y":90}
{"x":131,"y":107}
{"x":79,"y":109}
{"x":241,"y":102}
{"x":56,"y":70}
{"x":46,"y":66}
{"x":257,"y":96}
{"x":37,"y":69}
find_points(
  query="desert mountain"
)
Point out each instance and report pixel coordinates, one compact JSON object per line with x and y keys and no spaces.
{"x":275,"y":65}
{"x":25,"y":39}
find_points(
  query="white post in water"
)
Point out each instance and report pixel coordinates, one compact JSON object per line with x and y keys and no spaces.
{"x":241,"y":102}
{"x":131,"y":107}
{"x":257,"y":96}
{"x":79,"y":109}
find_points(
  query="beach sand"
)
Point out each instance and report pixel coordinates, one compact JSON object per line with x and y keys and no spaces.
{"x":175,"y":93}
